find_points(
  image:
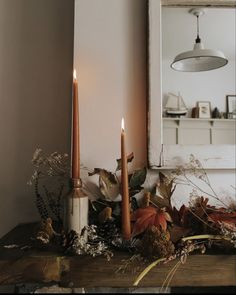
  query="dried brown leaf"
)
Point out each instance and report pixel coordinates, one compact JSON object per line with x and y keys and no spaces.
{"x":177,"y":232}
{"x":166,"y":188}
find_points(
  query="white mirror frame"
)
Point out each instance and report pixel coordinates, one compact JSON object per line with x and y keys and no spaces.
{"x":168,"y":156}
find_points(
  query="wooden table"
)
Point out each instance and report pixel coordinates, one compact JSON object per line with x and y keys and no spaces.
{"x":42,"y":266}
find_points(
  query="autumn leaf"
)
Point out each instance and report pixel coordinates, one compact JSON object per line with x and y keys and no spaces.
{"x":129,"y":159}
{"x":165,"y":188}
{"x":229,"y":226}
{"x":138,"y":178}
{"x":160,"y":201}
{"x":180,"y":217}
{"x":178,"y":232}
{"x":226,"y":217}
{"x":146,"y":217}
{"x":108,"y":183}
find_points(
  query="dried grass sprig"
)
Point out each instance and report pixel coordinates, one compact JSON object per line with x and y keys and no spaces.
{"x":170,"y":276}
{"x":181,"y":176}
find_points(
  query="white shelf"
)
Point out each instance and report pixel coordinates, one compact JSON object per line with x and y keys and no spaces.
{"x":188,"y":131}
{"x":198,"y":119}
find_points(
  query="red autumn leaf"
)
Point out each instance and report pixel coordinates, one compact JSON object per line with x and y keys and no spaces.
{"x":229,"y":226}
{"x":145,"y":217}
{"x":222,"y":217}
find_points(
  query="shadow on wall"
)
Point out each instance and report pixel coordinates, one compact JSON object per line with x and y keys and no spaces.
{"x":36,"y":63}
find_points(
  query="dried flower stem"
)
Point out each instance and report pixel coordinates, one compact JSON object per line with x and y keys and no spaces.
{"x":146,"y":270}
{"x":210,"y":237}
{"x":180,"y":176}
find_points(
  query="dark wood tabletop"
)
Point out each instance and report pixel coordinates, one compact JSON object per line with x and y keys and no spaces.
{"x":52,"y":265}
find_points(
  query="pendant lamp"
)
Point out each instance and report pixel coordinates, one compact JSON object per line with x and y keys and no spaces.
{"x":199,"y":59}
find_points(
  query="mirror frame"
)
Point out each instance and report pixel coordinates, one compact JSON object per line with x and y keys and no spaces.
{"x":162,"y":156}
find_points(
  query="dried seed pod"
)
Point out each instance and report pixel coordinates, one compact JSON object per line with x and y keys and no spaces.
{"x":156,"y":243}
{"x":105,"y":215}
{"x":146,"y":200}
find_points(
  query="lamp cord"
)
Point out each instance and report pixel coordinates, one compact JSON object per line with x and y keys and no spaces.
{"x":198,"y":40}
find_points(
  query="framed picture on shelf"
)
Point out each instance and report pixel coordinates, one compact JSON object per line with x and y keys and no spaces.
{"x":204,"y":109}
{"x":231,"y":106}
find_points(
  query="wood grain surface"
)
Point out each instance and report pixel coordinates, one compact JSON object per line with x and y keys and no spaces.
{"x":44,"y":266}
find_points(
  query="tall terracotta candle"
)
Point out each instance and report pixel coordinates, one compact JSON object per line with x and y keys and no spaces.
{"x":75,"y":127}
{"x":126,"y":228}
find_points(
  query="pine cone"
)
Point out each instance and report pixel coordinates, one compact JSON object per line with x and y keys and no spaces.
{"x":69,"y":241}
{"x":156,"y":243}
{"x":108,"y":231}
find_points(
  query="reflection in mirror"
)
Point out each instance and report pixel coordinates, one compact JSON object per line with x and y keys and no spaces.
{"x":202,"y":125}
{"x":194,"y":103}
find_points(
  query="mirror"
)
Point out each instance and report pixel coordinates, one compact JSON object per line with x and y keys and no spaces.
{"x":172,"y":138}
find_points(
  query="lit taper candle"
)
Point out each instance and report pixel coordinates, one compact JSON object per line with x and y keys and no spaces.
{"x":126,"y":227}
{"x":76,"y":213}
{"x":75,"y":137}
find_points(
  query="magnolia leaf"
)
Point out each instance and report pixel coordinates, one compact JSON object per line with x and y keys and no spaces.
{"x":129,"y":159}
{"x":108,"y":183}
{"x":133,"y":192}
{"x":166,"y":189}
{"x":146,"y":217}
{"x":160,"y":201}
{"x":95,"y":171}
{"x":138,"y":178}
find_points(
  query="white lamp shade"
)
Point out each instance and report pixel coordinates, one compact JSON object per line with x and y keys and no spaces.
{"x":199,"y":59}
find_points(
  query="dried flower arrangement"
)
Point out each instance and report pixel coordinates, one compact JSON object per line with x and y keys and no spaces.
{"x":160,"y":231}
{"x":51,"y":183}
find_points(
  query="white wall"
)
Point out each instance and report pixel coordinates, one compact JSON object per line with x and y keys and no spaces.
{"x":36,"y":61}
{"x":217,"y":31}
{"x":210,"y":86}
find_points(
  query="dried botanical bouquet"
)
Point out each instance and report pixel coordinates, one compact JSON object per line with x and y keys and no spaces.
{"x":160,"y":231}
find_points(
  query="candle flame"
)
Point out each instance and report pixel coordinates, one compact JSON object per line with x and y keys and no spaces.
{"x":74,"y":74}
{"x":123,"y":124}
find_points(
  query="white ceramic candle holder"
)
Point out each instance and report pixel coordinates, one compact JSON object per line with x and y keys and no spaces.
{"x":76,"y":213}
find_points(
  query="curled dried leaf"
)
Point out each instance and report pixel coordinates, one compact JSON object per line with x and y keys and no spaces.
{"x":165,"y":188}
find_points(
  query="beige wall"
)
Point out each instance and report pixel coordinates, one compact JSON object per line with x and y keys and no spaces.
{"x":36,"y":61}
{"x":35,"y":89}
{"x":110,"y":58}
